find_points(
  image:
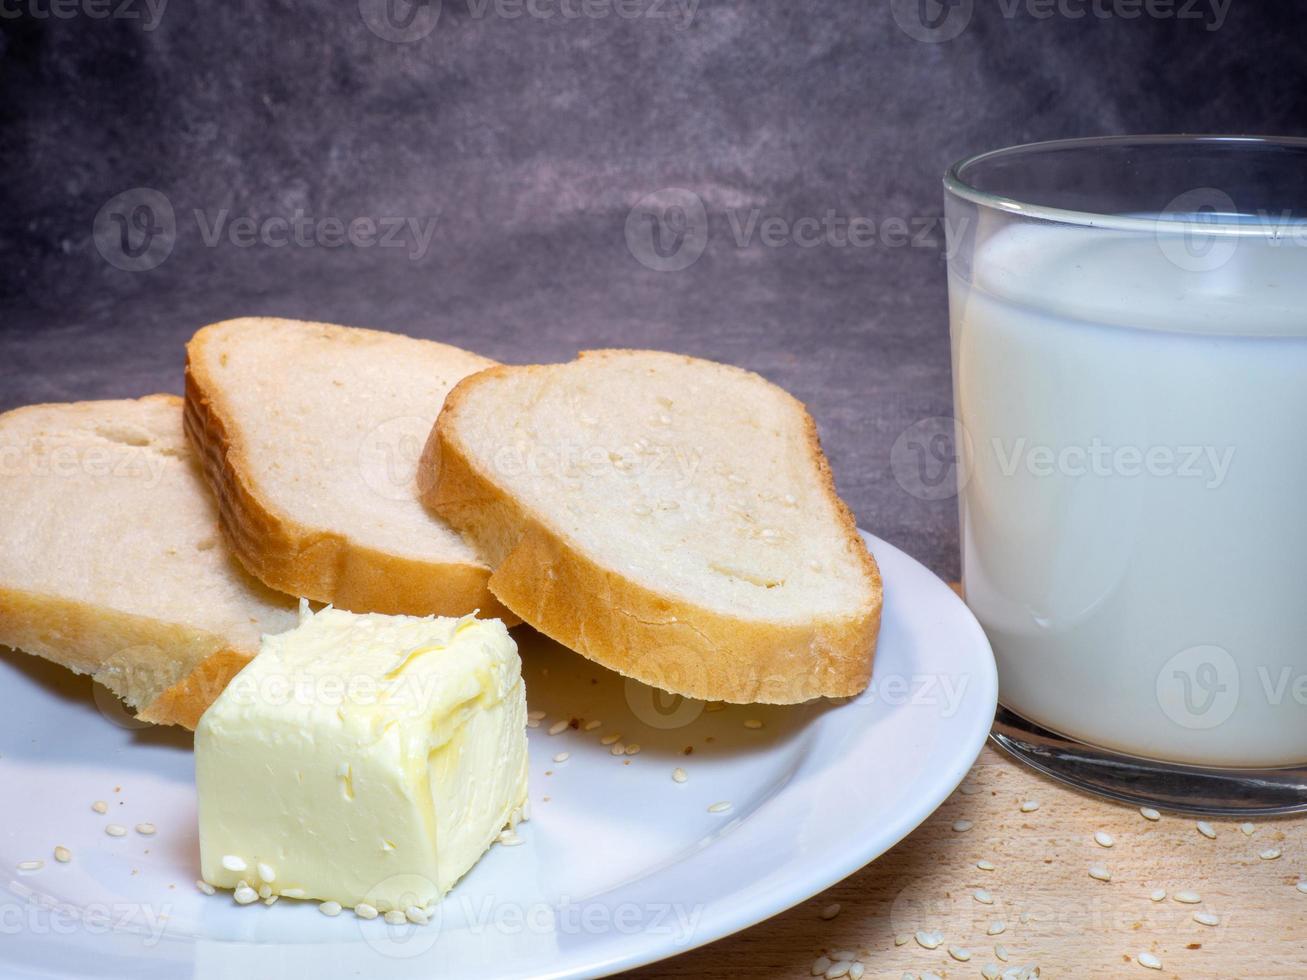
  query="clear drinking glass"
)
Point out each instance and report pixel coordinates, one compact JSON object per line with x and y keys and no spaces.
{"x":1129,"y":336}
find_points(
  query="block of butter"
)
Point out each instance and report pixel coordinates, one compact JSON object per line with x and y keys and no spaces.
{"x":363,"y":759}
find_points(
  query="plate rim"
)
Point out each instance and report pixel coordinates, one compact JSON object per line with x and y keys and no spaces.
{"x":941,"y":788}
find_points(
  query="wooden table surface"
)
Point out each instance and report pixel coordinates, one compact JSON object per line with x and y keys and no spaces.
{"x":1055,"y":914}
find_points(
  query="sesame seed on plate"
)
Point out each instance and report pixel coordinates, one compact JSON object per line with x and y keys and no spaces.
{"x":1157,"y":895}
{"x":843,"y":954}
{"x":720,"y":807}
{"x":1000,"y":951}
{"x":678,"y":775}
{"x":1103,"y":839}
{"x":928,"y":940}
{"x":617,"y":748}
{"x":959,"y":954}
{"x":115,"y":830}
{"x":99,"y":806}
{"x":62,"y":854}
{"x":856,"y":970}
{"x":365,"y":911}
{"x":1207,"y":919}
{"x":989,"y":971}
{"x":962,"y":826}
{"x":562,"y":756}
{"x":554,"y":729}
{"x":204,"y":886}
{"x":840,"y":968}
{"x":633,"y":748}
{"x":1188,"y":898}
{"x":536,"y":715}
{"x":1029,"y":806}
{"x":752,"y":723}
{"x":1270,"y":854}
{"x":996,"y":928}
{"x":1099,"y":873}
{"x":244,"y":895}
{"x":968,"y":789}
{"x":1302,"y":886}
{"x":901,"y":940}
{"x":592,"y":724}
{"x":819,"y":966}
{"x":416,"y":915}
{"x":1206,"y":829}
{"x":610,"y":738}
{"x":983,"y":897}
{"x":1148,"y":813}
{"x":330,"y":908}
{"x":395,"y":917}
{"x":1149,"y":962}
{"x":233,"y":862}
{"x":30,"y":865}
{"x":830,"y":911}
{"x":271,"y":900}
{"x":984,"y":865}
{"x":145,"y":829}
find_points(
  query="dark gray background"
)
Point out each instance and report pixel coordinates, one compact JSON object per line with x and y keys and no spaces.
{"x":529,"y":140}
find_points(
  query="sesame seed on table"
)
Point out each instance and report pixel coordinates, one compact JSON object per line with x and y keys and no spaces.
{"x":1224,"y":910}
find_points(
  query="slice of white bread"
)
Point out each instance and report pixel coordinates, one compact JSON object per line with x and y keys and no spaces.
{"x":310,"y":436}
{"x":670,"y":518}
{"x":112,"y":563}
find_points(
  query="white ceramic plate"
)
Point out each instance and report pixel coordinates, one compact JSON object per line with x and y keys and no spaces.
{"x":620,"y":865}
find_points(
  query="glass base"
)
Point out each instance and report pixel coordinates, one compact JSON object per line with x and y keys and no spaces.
{"x":1145,"y":782}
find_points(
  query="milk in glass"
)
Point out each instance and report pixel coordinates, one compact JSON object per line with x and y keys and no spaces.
{"x":1134,"y":507}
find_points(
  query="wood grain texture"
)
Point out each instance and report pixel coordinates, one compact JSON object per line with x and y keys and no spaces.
{"x":1076,"y":926}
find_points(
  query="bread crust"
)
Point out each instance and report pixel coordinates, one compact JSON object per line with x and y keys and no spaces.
{"x":184,"y":702}
{"x":169,"y":673}
{"x":300,"y":560}
{"x":659,"y":639}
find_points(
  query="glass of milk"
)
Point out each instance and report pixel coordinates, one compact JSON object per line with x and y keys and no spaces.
{"x":1129,"y":339}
